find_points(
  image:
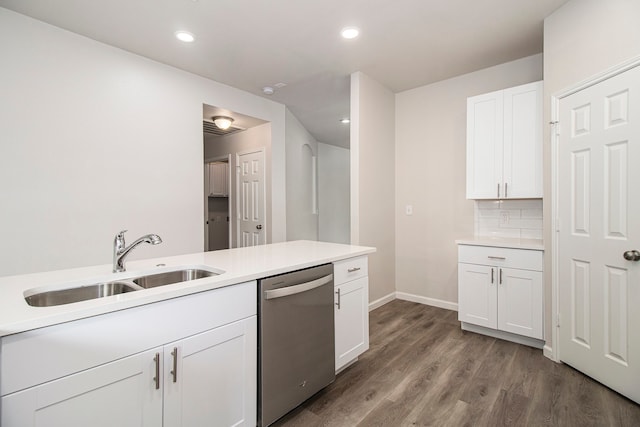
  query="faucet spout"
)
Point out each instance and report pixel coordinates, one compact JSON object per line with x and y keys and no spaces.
{"x":120,"y":250}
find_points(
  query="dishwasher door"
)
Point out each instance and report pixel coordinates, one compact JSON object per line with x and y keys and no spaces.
{"x":296,"y":339}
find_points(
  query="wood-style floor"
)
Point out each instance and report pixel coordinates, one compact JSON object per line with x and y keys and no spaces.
{"x":422,"y":369}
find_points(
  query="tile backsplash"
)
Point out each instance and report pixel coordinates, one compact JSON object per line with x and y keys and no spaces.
{"x":509,"y":218}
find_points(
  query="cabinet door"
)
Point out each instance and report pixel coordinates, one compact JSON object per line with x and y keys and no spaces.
{"x":520,"y":302}
{"x":121,"y":393}
{"x":211,"y":379}
{"x":484,"y":145}
{"x":522,"y":168}
{"x":351,"y":320}
{"x":477,"y":299}
{"x":218,"y":179}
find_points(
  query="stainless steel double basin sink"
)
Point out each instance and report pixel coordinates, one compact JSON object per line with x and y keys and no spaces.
{"x":104,"y":289}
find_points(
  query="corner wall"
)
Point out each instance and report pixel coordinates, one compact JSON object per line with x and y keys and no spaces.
{"x":96,"y":140}
{"x":431,"y":177}
{"x":373,"y":179}
{"x":302,"y":222}
{"x":581,"y":39}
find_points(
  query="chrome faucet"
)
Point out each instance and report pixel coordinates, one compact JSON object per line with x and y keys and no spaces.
{"x":120,"y":251}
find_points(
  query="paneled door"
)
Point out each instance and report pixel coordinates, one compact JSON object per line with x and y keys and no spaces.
{"x":251,"y":199}
{"x":599,"y":231}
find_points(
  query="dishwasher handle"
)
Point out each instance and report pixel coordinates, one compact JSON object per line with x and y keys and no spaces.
{"x":296,"y":289}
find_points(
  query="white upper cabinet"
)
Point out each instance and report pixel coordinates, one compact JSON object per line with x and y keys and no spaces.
{"x":218,"y":179}
{"x":504,"y":144}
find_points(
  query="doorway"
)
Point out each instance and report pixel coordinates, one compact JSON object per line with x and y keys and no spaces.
{"x":224,"y":148}
{"x":218,"y":199}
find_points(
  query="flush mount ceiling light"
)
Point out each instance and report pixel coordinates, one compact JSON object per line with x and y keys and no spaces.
{"x":185,"y":36}
{"x":345,"y":121}
{"x":350,"y":32}
{"x":223,"y":122}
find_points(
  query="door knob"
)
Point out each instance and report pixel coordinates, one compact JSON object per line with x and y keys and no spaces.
{"x":632,"y":255}
{"x":259,"y":227}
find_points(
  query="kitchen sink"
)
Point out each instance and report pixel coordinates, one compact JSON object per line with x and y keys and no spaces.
{"x":82,"y":293}
{"x":170,"y":277}
{"x":116,"y":287}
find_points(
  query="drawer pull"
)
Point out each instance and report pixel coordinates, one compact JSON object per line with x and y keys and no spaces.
{"x":497,"y":257}
{"x":351,"y":270}
{"x":338,"y":303}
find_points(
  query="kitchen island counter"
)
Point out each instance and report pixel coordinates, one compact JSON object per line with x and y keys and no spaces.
{"x":237,"y":265}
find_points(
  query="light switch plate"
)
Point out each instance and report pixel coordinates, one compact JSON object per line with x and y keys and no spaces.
{"x":408,"y":210}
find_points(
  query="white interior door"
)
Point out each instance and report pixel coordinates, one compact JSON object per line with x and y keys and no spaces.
{"x":251,"y":199}
{"x":598,"y":211}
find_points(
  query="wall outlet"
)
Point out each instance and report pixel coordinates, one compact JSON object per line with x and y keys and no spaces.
{"x":504,"y":217}
{"x":408,"y":210}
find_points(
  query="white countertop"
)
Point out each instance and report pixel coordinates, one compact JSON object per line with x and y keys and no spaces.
{"x":239,"y":265}
{"x":503,"y":242}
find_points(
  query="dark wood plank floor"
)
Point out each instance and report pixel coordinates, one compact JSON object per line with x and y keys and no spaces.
{"x":423,"y":370}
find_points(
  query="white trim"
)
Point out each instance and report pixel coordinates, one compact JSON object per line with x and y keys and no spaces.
{"x":555,"y":349}
{"x":520,"y":339}
{"x":548,"y":353}
{"x":382,"y":301}
{"x":354,"y":158}
{"x":447,"y":305}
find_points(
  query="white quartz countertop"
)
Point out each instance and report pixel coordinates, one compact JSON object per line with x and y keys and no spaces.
{"x":503,"y":242}
{"x":238,"y":266}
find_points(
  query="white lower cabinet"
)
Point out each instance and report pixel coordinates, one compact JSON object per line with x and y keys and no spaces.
{"x":351,"y":310}
{"x":206,"y":378}
{"x":120,"y":393}
{"x":501,"y":289}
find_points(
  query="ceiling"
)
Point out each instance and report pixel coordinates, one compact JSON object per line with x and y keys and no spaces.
{"x":249,"y":44}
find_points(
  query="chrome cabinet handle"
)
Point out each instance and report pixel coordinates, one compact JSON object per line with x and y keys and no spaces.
{"x":498,"y":190}
{"x":492,"y":276}
{"x":632,"y":255}
{"x":156,"y":359}
{"x":351,"y":270}
{"x":496,"y":257}
{"x":338,"y":303}
{"x":505,"y":189}
{"x":174,"y":372}
{"x":501,"y":276}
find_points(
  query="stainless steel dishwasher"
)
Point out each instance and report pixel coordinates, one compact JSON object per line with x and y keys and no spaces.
{"x":296,"y":346}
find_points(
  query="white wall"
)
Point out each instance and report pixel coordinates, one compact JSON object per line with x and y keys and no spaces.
{"x":258,"y":137}
{"x":431,"y":177}
{"x":95,"y":140}
{"x":333,"y":194}
{"x":373,"y":179}
{"x":581,"y":39}
{"x":302,"y":221}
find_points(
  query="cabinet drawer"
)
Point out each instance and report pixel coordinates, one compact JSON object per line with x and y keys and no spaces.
{"x":349,"y":269}
{"x":525,"y":259}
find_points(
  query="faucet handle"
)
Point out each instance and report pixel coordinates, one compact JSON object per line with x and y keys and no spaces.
{"x":119,"y":239}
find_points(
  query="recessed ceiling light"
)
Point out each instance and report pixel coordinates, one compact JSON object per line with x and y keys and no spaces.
{"x":185,"y":36}
{"x":345,"y":121}
{"x":350,"y":32}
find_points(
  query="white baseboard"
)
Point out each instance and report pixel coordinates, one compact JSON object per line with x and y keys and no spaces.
{"x":382,"y":301}
{"x":448,"y":305}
